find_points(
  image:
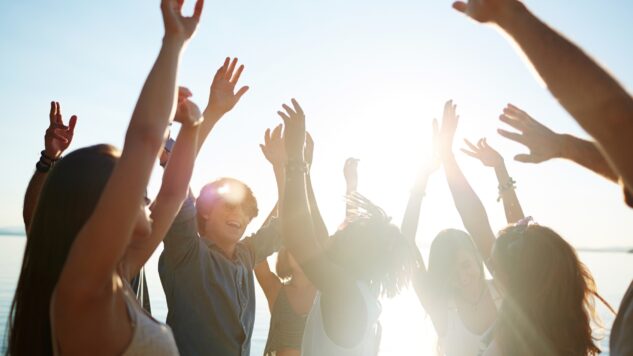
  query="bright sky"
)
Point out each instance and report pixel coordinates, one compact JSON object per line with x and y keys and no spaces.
{"x":369,"y":74}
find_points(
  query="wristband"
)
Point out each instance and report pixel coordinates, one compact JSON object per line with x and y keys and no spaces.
{"x":296,"y":166}
{"x":511,"y":184}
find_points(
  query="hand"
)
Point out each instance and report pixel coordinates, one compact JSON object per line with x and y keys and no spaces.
{"x":58,"y":136}
{"x":222,"y":97}
{"x":484,"y":10}
{"x":308,"y":150}
{"x":176,"y":25}
{"x":273,"y":148}
{"x":187,"y":113}
{"x":295,"y":130}
{"x":543,"y":143}
{"x":350,"y":172}
{"x":486,"y":154}
{"x":447,"y":131}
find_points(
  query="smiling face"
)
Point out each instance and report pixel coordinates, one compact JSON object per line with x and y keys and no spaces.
{"x":226,"y":223}
{"x":467,"y":271}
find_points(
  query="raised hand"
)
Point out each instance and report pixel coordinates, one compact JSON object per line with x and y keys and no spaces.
{"x":295,"y":130}
{"x":350,"y":172}
{"x":58,"y":136}
{"x":187,"y":112}
{"x":274,"y":148}
{"x":484,"y":10}
{"x":223,"y":97}
{"x":435,"y":160}
{"x":447,"y":131}
{"x":483,"y":152}
{"x":179,"y":26}
{"x":543,"y":143}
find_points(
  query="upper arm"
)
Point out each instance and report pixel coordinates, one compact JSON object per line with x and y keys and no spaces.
{"x":265,"y":242}
{"x":269,"y":282}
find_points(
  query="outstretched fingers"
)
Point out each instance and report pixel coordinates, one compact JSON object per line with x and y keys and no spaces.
{"x":512,"y":136}
{"x":228,"y":74}
{"x":197,"y":11}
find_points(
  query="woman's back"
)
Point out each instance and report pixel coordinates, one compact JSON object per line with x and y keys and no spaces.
{"x":317,"y":342}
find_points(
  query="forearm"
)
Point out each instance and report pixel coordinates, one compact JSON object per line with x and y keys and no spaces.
{"x":211,"y":118}
{"x":179,"y":169}
{"x":411,"y":218}
{"x":588,"y":155}
{"x":469,"y":206}
{"x":320,"y":230}
{"x":156,"y":103}
{"x":594,"y":98}
{"x":507,"y":193}
{"x":31,"y":197}
{"x":297,"y":229}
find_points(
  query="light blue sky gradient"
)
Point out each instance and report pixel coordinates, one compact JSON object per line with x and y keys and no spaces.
{"x":370,"y":75}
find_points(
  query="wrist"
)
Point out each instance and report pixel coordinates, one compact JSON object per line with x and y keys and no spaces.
{"x":174,"y":41}
{"x":508,"y":15}
{"x":51,"y":154}
{"x":564,"y":146}
{"x":213,"y":113}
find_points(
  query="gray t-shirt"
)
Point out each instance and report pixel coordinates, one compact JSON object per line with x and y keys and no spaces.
{"x":211,"y":298}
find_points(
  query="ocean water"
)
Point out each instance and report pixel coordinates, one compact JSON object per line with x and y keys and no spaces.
{"x":406,"y":328}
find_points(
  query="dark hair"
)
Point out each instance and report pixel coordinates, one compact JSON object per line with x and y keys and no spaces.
{"x":549,"y":294}
{"x":210,"y":195}
{"x":69,"y":195}
{"x":375,"y":251}
{"x":442,"y":268}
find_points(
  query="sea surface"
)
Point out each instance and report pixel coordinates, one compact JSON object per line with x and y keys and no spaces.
{"x":406,"y":328}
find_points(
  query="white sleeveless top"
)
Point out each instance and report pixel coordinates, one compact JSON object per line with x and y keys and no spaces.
{"x":316,"y":342}
{"x":459,"y":341}
{"x":149,"y":337}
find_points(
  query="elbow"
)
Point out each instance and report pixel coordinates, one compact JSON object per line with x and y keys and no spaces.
{"x":146,"y":137}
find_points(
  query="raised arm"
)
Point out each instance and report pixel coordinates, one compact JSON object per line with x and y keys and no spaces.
{"x":56,"y":140}
{"x":175,"y":184}
{"x":222,"y":96}
{"x":411,"y":218}
{"x":468,"y":204}
{"x":593,"y":97}
{"x":317,"y":219}
{"x":545,"y":144}
{"x":491,"y":158}
{"x":101,"y":243}
{"x":275,"y":152}
{"x":350,"y":172}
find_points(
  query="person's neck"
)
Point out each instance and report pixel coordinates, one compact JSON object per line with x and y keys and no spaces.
{"x":473,"y":295}
{"x":227,"y":248}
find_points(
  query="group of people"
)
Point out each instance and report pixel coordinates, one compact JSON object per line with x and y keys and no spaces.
{"x":91,"y":228}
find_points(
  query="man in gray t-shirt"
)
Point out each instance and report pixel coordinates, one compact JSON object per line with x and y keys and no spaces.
{"x":206,"y":270}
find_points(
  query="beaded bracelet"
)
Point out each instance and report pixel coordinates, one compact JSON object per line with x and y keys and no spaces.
{"x":298,"y":166}
{"x":511,"y":184}
{"x":45,"y":163}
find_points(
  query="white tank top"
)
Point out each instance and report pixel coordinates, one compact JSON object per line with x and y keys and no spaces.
{"x":149,"y":337}
{"x":316,"y":342}
{"x":459,"y":341}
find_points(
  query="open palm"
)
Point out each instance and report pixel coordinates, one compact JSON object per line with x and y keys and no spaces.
{"x":175,"y":23}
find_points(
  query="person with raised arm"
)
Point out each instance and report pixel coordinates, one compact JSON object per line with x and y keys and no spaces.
{"x":453,"y":290}
{"x":489,"y":157}
{"x":548,"y":293}
{"x":545,"y":144}
{"x":593,"y":97}
{"x":57,"y":139}
{"x":206,"y":268}
{"x":289,"y":293}
{"x":366,"y":258}
{"x":73,"y":297}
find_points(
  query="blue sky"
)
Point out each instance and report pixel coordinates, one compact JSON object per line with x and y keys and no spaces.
{"x":370,"y":75}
